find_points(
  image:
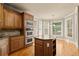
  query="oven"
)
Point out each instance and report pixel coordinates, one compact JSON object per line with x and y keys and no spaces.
{"x":28,"y":28}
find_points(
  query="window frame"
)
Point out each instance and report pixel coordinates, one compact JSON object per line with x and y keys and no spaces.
{"x":59,"y":35}
{"x":66,"y":28}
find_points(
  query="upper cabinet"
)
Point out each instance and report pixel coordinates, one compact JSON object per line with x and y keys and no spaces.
{"x":27,"y":16}
{"x":18,"y":20}
{"x":12,"y":19}
{"x":8,"y":18}
{"x":1,"y":16}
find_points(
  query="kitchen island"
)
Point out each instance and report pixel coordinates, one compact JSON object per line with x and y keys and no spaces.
{"x":45,"y":47}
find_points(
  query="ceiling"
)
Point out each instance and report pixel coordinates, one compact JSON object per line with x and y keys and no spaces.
{"x":46,"y":10}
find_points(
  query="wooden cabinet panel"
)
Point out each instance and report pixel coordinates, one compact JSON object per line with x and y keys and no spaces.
{"x":27,"y":16}
{"x":21,"y":42}
{"x":45,"y":47}
{"x":39,"y":42}
{"x":1,"y":16}
{"x":13,"y":44}
{"x":9,"y":18}
{"x":12,"y":19}
{"x":18,"y":20}
{"x":39,"y":50}
{"x":48,"y":48}
{"x":16,"y":43}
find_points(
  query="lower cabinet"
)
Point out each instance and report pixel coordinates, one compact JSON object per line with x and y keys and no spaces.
{"x":45,"y":47}
{"x":16,"y":43}
{"x":39,"y":50}
{"x":21,"y":42}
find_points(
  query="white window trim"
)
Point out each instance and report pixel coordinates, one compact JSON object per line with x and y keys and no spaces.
{"x":66,"y":32}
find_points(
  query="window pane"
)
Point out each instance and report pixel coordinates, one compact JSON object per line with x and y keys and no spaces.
{"x":57,"y":28}
{"x":45,"y":29}
{"x":69,"y":26}
{"x":40,"y":29}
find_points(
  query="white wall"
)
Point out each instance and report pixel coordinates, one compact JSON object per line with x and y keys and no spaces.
{"x":74,"y":17}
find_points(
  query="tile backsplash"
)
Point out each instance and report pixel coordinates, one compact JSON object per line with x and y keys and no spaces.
{"x":9,"y":32}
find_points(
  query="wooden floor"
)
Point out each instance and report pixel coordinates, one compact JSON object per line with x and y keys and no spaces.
{"x":29,"y":51}
{"x":63,"y":49}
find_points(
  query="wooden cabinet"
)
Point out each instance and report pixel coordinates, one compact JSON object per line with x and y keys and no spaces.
{"x":13,"y":44}
{"x":8,"y":18}
{"x":12,"y":19}
{"x":21,"y":42}
{"x":45,"y":47}
{"x":39,"y":50}
{"x":1,"y":16}
{"x":16,"y":43}
{"x":18,"y":20}
{"x":27,"y":16}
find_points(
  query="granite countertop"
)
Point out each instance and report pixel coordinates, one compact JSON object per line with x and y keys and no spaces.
{"x":1,"y":38}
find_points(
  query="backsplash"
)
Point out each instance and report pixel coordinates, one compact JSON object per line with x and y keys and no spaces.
{"x":9,"y":32}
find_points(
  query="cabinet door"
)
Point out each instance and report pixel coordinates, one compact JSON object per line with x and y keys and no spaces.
{"x":16,"y":43}
{"x":18,"y":20}
{"x":39,"y":50}
{"x":13,"y":44}
{"x":31,"y":17}
{"x":28,"y":16}
{"x":21,"y":42}
{"x":9,"y":18}
{"x":1,"y":15}
{"x":48,"y":48}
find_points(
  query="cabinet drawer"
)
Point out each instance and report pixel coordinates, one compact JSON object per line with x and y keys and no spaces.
{"x":39,"y":42}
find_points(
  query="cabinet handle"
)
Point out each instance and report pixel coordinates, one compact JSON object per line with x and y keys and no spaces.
{"x":47,"y":44}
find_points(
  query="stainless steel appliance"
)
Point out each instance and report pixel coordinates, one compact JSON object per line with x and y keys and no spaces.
{"x":28,"y":28}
